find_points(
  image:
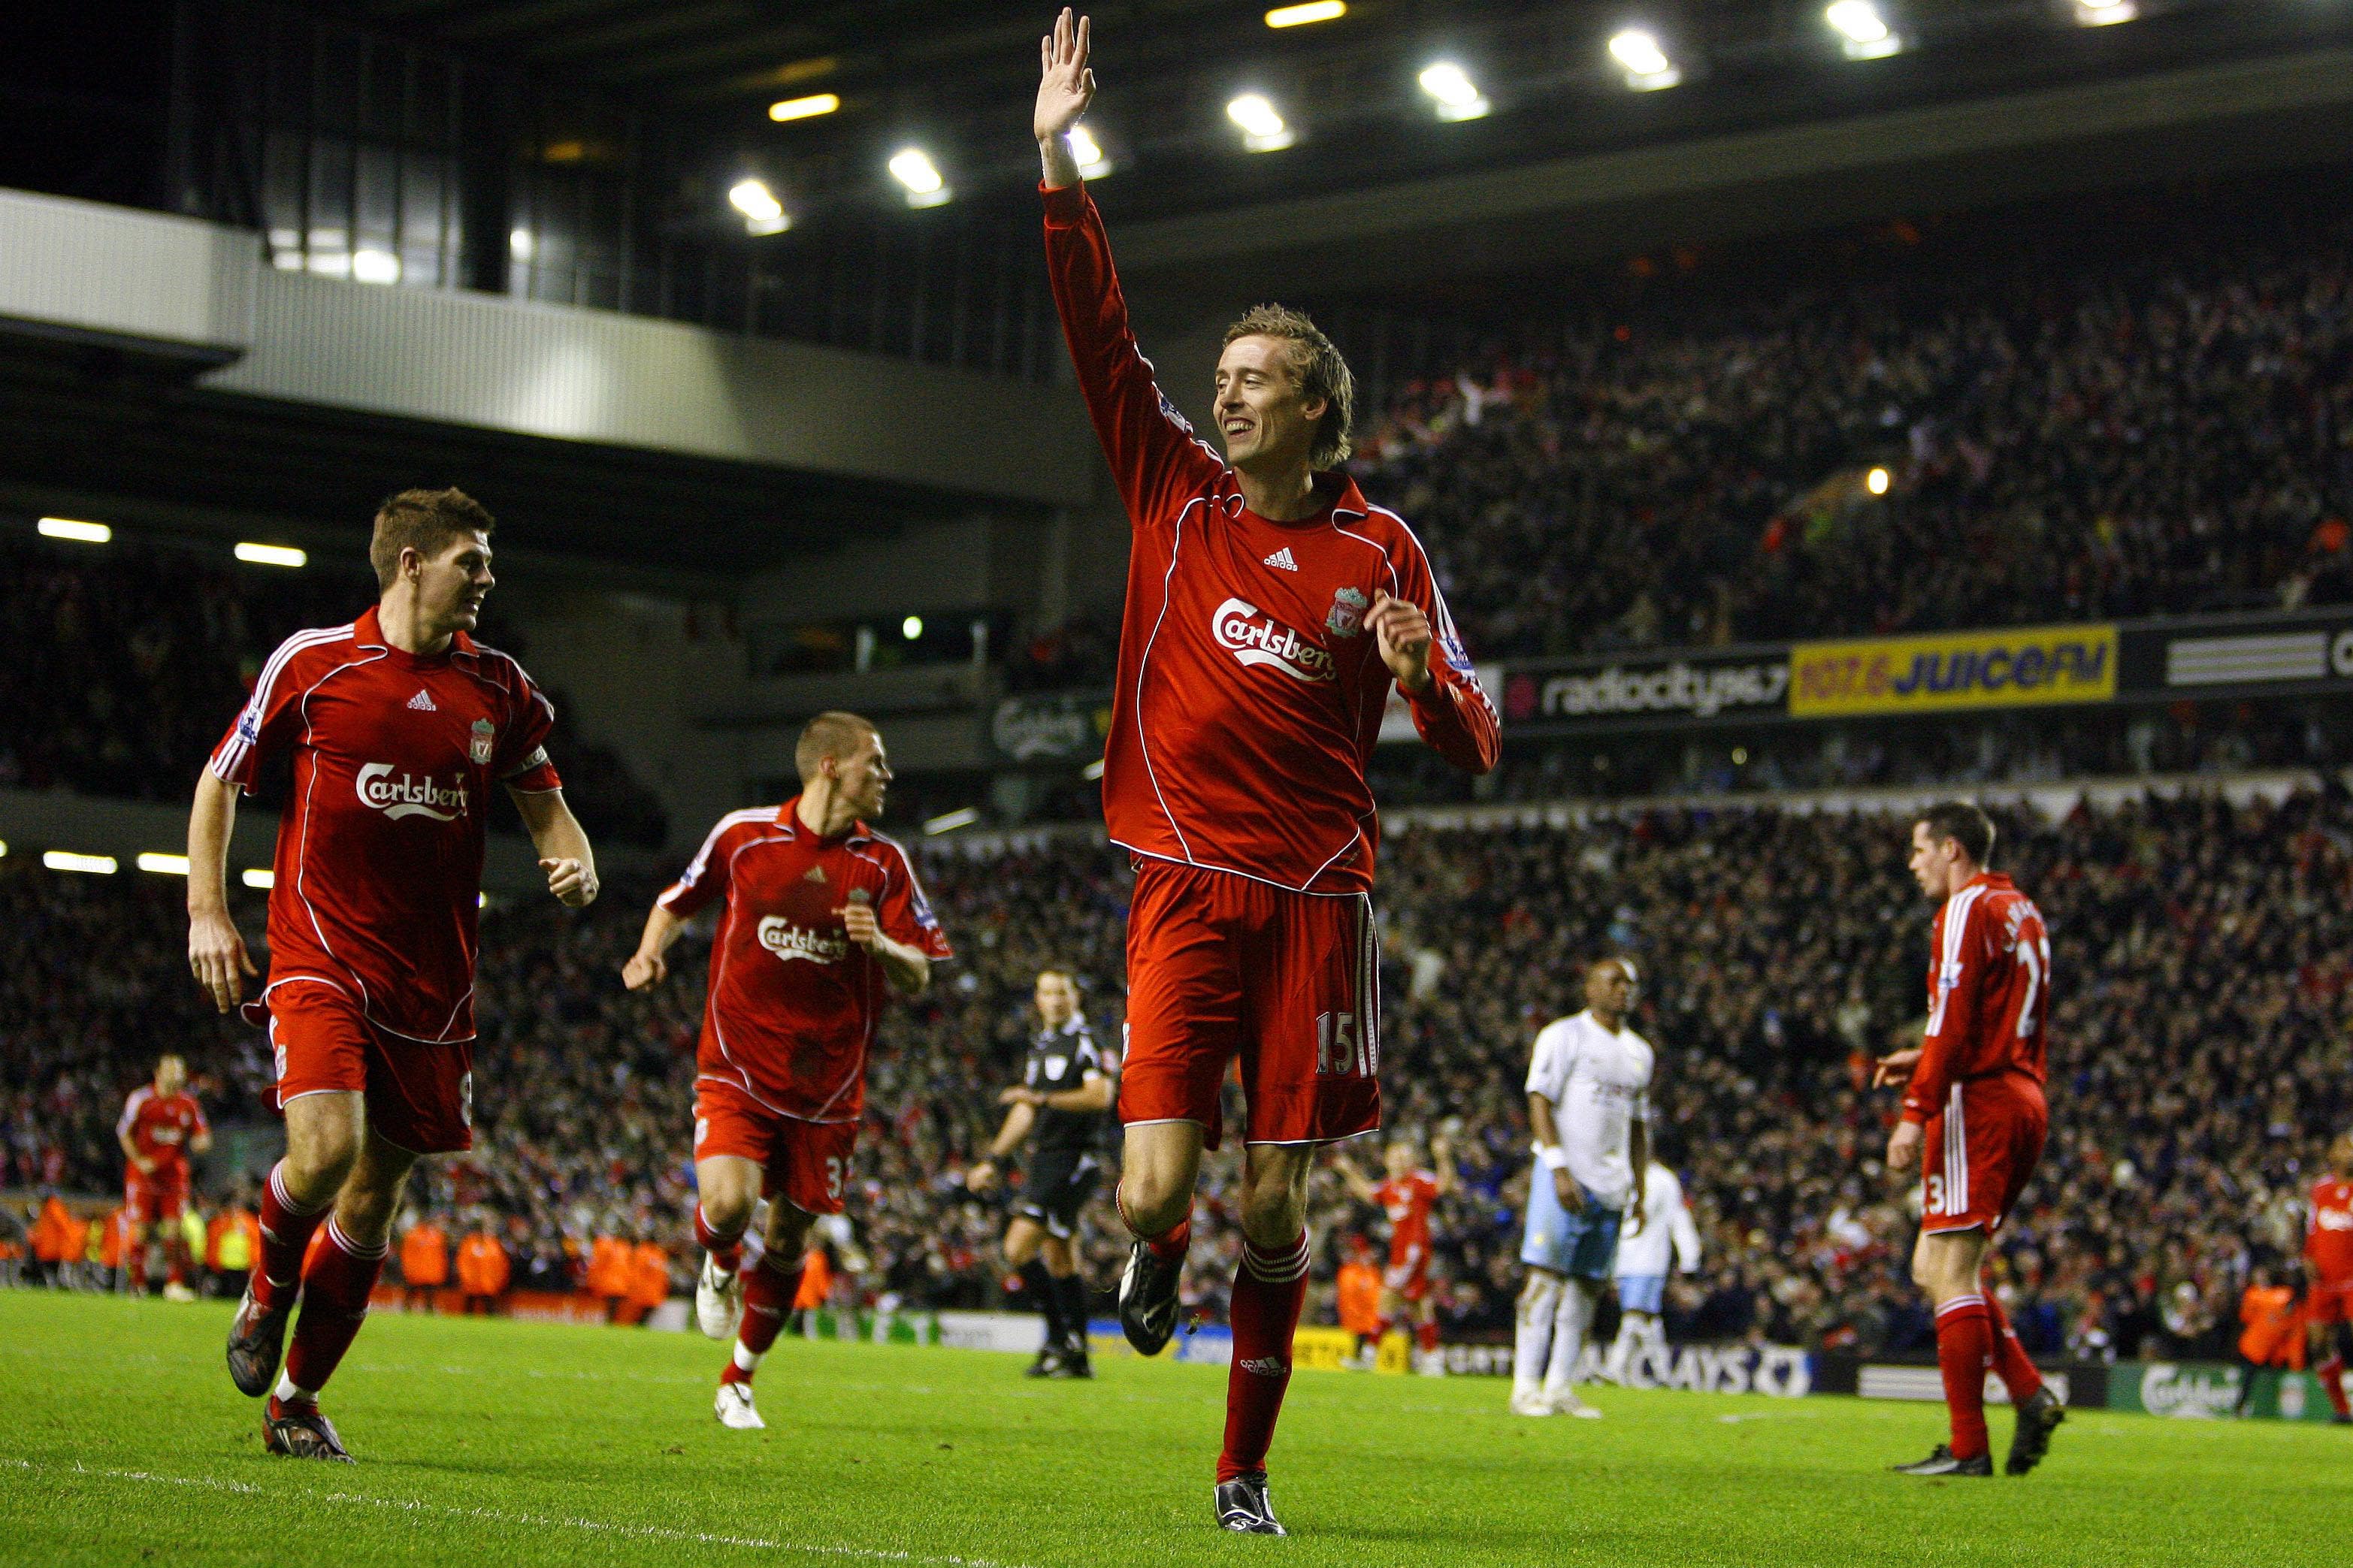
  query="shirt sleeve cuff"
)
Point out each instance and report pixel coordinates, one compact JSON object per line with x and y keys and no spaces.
{"x":1913,"y":1114}
{"x":1064,"y":206}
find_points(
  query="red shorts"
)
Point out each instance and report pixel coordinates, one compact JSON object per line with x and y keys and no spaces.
{"x":806,"y":1163}
{"x":1980,"y":1150}
{"x":154,"y":1197}
{"x":1409,"y":1279}
{"x":1220,"y":966}
{"x":420,"y":1097}
{"x":2329,"y":1302}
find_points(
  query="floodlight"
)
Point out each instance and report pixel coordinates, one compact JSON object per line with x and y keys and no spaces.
{"x":271,"y":555}
{"x":1865,"y":33}
{"x":807,"y":108}
{"x":1458,"y":96}
{"x":913,"y":168}
{"x":1089,"y":155}
{"x":763,"y":213}
{"x":1313,"y":11}
{"x":1648,"y":69}
{"x":75,"y":530}
{"x":67,"y":860}
{"x":1262,"y":128}
{"x":375,"y":266}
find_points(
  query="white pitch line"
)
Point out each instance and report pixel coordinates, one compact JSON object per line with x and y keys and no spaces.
{"x":496,"y":1516}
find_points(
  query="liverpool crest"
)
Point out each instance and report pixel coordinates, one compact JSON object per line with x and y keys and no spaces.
{"x":479,"y":746}
{"x":1347,"y":617}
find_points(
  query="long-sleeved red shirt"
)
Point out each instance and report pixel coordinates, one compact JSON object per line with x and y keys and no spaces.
{"x":1250,"y":692}
{"x":1988,"y":992}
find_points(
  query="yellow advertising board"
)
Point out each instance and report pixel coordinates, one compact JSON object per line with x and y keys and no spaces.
{"x":2017,"y":667}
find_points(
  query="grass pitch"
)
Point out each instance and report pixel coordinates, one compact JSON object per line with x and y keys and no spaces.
{"x":489,"y":1442}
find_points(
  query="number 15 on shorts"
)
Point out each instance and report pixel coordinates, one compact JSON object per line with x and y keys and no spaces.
{"x":1340,"y":1047}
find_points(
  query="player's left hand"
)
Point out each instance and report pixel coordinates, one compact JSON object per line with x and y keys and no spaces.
{"x":572,"y":883}
{"x":857,"y":920}
{"x":1904,"y":1149}
{"x":1895,"y":1067}
{"x":1401,"y":632}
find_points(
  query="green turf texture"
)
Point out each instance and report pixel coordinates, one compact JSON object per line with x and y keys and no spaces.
{"x":491,"y":1442}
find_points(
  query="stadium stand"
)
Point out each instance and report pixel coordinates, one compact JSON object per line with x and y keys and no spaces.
{"x":2171,"y":431}
{"x":2200,"y":948}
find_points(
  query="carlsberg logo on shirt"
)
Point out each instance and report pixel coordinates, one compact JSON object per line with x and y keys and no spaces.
{"x":409,"y":795}
{"x":1254,"y":637}
{"x":789,"y":941}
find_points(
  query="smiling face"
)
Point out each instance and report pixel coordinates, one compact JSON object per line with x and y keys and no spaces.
{"x":450,"y":584}
{"x":1265,"y":416}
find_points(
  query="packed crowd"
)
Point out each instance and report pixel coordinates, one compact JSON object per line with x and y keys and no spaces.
{"x":121,"y":670}
{"x":2199,"y":1061}
{"x":2166,"y":433}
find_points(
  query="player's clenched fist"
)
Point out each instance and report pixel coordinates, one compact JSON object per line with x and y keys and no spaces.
{"x":1402,"y":632}
{"x":857,"y":920}
{"x":644,"y":969}
{"x":571,"y":882}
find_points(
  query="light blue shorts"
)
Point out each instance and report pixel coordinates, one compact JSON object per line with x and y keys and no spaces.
{"x":1584,"y":1244}
{"x":1643,"y":1293}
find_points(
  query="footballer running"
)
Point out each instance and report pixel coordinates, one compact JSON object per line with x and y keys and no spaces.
{"x":1269,"y":609}
{"x":821,"y":917}
{"x":398,"y":725}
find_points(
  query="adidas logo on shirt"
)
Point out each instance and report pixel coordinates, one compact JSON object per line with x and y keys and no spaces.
{"x":1281,"y":560}
{"x":423,"y":702}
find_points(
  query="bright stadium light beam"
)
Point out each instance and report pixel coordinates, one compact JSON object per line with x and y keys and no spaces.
{"x":911,"y":628}
{"x":1301,"y":16}
{"x":1087,"y":154}
{"x":1263,"y":129}
{"x":272,"y":555}
{"x":763,"y":213}
{"x":2105,"y":13}
{"x":80,"y":532}
{"x":67,"y":860}
{"x":1646,"y":64}
{"x":948,"y":821}
{"x":807,"y":108}
{"x":1092,"y":771}
{"x":164,"y":865}
{"x":1877,"y":481}
{"x":1863,"y":31}
{"x":375,"y":266}
{"x":1458,"y":96}
{"x":913,"y":168}
{"x":256,"y":878}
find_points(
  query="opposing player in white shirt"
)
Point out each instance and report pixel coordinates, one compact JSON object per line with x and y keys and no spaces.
{"x":1588,"y":1086}
{"x":1661,"y":1234}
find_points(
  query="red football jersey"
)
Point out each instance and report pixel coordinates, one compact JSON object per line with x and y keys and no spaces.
{"x":379,"y":866}
{"x":1407,"y":1201}
{"x":1249,"y":693}
{"x":1988,"y":992}
{"x":793,"y":1002}
{"x":160,"y":1127}
{"x":2328,"y":1230}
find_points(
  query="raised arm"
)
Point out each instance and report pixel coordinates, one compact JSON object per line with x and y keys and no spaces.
{"x":1153,"y":452}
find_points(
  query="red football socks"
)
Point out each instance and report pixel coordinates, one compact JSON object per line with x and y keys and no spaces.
{"x":334,"y":1303}
{"x":768,"y":1293}
{"x":1964,"y":1347}
{"x":2331,"y":1373}
{"x":285,"y":1238}
{"x":1426,"y":1336}
{"x":727,"y":1249}
{"x":1269,"y":1289}
{"x":2010,"y":1358}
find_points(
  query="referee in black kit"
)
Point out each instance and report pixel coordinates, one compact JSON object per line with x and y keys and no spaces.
{"x":1062,"y":1103}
